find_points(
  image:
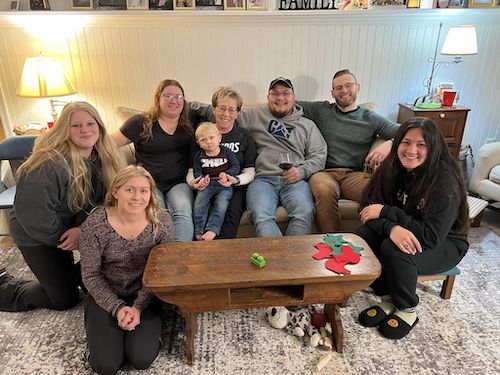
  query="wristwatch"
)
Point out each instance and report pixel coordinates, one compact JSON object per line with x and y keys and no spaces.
{"x":237,"y":181}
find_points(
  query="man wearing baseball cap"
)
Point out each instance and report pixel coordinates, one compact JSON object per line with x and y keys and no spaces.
{"x":277,"y":128}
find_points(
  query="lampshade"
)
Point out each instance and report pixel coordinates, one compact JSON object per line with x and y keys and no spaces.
{"x":44,"y":77}
{"x":460,"y":40}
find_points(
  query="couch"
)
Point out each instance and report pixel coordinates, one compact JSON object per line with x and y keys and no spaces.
{"x":348,"y":209}
{"x":485,"y":179}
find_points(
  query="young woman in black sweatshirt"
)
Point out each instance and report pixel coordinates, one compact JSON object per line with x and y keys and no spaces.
{"x":415,"y":218}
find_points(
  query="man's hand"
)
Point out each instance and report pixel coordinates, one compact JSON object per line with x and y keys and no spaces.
{"x":69,"y":240}
{"x":370,"y":212}
{"x":405,"y":240}
{"x":201,"y":183}
{"x":378,"y":155}
{"x":291,"y":175}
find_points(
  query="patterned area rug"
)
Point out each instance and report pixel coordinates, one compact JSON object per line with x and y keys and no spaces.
{"x":457,"y":336}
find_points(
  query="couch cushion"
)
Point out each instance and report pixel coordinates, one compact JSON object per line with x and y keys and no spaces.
{"x":124,"y":112}
{"x":495,"y":174}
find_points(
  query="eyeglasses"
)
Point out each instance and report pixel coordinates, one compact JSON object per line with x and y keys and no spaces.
{"x":277,"y":94}
{"x":172,"y":97}
{"x":347,"y":86}
{"x":223,"y":109}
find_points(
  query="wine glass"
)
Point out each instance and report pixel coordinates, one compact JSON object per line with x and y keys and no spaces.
{"x":285,"y":161}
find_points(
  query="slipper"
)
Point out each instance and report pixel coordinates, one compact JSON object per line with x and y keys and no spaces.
{"x":372,"y":316}
{"x":395,"y":328}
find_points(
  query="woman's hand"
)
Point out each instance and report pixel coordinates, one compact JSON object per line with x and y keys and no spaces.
{"x":226,"y":180}
{"x":128,"y":318}
{"x":291,"y":175}
{"x":370,"y":212}
{"x":201,"y":183}
{"x":405,"y":240}
{"x":69,"y":240}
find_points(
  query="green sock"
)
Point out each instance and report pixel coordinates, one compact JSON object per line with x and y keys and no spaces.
{"x":408,"y":316}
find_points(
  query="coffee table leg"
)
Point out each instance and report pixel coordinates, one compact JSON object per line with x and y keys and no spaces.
{"x":332,"y":313}
{"x":190,"y":334}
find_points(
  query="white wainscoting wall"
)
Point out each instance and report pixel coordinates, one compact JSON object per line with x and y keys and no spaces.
{"x":117,"y":58}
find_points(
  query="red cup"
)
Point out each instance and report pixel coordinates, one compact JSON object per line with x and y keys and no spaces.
{"x":50,"y":124}
{"x":448,"y":98}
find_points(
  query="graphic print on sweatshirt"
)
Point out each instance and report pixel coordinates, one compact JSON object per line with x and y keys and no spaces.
{"x":279,"y":129}
{"x":233,"y":146}
{"x":214,"y":166}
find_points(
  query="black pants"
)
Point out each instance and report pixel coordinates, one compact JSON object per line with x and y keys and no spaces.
{"x":109,"y":345}
{"x":237,"y":205}
{"x":400,"y":271}
{"x":57,"y":285}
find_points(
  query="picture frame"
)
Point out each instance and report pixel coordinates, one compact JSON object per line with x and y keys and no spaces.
{"x":14,"y":5}
{"x":137,"y":4}
{"x":110,"y":4}
{"x":39,"y":5}
{"x":210,"y":4}
{"x":82,"y":4}
{"x":184,"y":4}
{"x":161,"y":4}
{"x":235,"y":4}
{"x":256,"y":4}
{"x":458,"y":4}
{"x":482,"y":3}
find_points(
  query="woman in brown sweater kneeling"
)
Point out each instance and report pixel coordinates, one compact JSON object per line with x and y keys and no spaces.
{"x":122,"y":320}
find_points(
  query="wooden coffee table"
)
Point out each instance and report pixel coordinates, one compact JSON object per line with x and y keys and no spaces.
{"x":218,"y":275}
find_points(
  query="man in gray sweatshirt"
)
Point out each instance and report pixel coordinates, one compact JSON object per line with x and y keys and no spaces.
{"x":278,"y":128}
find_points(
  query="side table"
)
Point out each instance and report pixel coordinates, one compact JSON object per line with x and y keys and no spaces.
{"x":450,"y":120}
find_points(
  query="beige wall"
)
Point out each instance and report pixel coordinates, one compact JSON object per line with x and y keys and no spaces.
{"x":117,"y":58}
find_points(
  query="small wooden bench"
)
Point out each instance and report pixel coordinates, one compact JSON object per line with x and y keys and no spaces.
{"x":448,"y":278}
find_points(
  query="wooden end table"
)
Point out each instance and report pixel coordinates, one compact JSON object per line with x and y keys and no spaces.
{"x":218,"y":275}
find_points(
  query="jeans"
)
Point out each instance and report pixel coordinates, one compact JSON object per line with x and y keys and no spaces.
{"x":265,"y":193}
{"x":179,"y":201}
{"x":203,"y":221}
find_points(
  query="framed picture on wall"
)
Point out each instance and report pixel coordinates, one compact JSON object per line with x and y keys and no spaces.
{"x":137,"y":4}
{"x":39,"y":5}
{"x":184,"y":4}
{"x":458,"y":4}
{"x":210,"y":4}
{"x":161,"y":4}
{"x":482,"y":3}
{"x":256,"y":4}
{"x":234,"y":4}
{"x":14,"y":5}
{"x":82,"y":4}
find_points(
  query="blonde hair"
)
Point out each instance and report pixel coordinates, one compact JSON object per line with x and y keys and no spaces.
{"x":205,"y":126}
{"x":56,"y":145}
{"x":227,"y":92}
{"x":121,"y":179}
{"x":153,"y":114}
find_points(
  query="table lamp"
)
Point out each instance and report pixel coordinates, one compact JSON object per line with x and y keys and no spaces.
{"x":44,"y":77}
{"x":460,"y":41}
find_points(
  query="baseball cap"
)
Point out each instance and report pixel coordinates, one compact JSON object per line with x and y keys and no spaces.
{"x":282,"y":80}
